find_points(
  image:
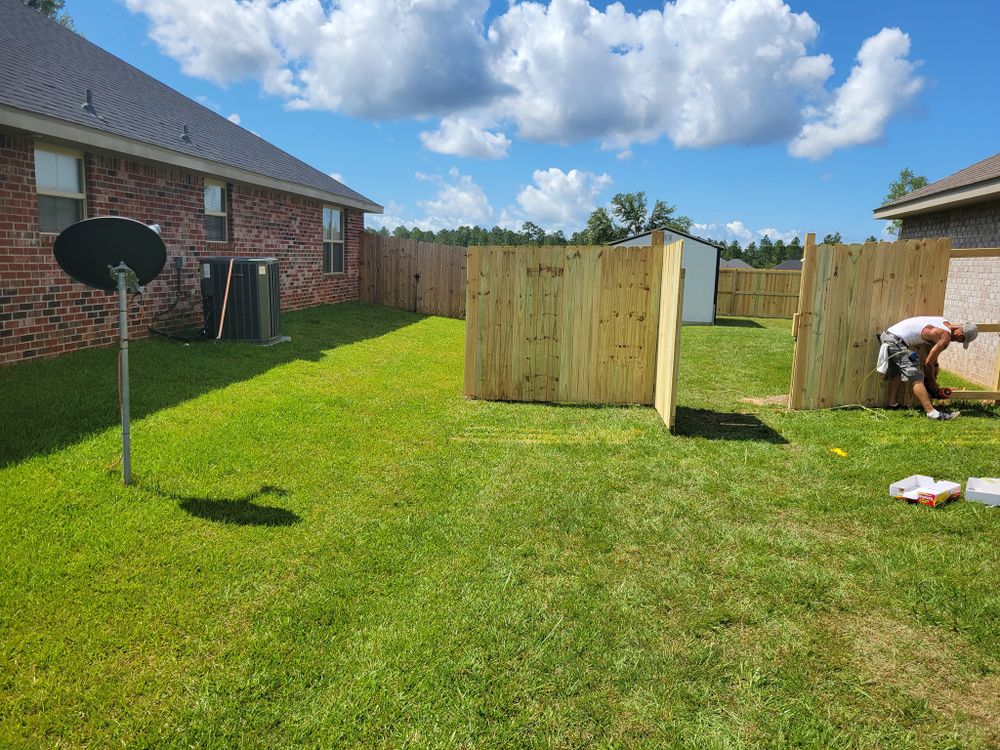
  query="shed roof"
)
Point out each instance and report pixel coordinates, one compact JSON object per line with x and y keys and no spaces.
{"x":47,"y":71}
{"x":672,"y":230}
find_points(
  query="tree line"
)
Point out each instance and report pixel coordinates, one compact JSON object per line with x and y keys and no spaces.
{"x":628,"y":215}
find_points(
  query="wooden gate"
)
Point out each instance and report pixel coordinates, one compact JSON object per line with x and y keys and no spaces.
{"x":848,"y":294}
{"x":423,"y":277}
{"x":574,"y":324}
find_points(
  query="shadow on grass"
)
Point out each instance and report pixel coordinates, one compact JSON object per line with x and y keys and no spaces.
{"x":717,"y":425}
{"x":982,"y":409}
{"x":53,"y":403}
{"x":737,"y":323}
{"x":239,"y":511}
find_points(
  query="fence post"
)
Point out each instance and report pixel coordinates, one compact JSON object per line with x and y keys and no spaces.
{"x":802,"y":324}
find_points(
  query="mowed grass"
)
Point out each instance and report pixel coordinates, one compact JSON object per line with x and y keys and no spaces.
{"x":328,"y":546}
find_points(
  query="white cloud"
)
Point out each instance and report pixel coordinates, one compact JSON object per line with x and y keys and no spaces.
{"x":883,"y":82}
{"x":560,"y":200}
{"x":737,"y":230}
{"x":234,"y":118}
{"x":700,"y":72}
{"x":458,"y":137}
{"x":390,"y":218}
{"x":337,"y":176}
{"x":457,"y":202}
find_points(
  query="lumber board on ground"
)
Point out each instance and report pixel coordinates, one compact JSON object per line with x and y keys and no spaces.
{"x":975,"y":395}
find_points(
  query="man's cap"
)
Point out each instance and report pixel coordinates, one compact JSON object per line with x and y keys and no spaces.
{"x":970,"y":331}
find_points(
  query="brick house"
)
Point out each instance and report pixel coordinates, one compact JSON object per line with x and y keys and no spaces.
{"x":83,"y":134}
{"x":966,"y":207}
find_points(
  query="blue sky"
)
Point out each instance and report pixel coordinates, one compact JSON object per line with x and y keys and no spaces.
{"x":703,"y":105}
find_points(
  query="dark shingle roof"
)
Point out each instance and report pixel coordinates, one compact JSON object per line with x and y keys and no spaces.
{"x":46,"y":69}
{"x":789,"y":265}
{"x":987,"y":169}
{"x":734,"y":263}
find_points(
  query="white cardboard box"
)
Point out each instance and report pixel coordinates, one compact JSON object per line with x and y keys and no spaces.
{"x":924,"y":490}
{"x":983,"y":490}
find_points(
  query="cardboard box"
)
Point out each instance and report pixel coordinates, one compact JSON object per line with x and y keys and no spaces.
{"x":986,"y":490}
{"x":924,"y":490}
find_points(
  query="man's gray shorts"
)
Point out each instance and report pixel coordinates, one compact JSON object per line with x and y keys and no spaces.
{"x":899,"y":359}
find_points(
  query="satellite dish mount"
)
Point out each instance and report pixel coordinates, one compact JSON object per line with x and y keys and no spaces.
{"x":115,"y":255}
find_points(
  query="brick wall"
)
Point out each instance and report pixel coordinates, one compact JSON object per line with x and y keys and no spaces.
{"x":43,"y":313}
{"x":973,"y":285}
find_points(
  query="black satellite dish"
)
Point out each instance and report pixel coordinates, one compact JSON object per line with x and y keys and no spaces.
{"x":114,"y":254}
{"x":87,"y":249}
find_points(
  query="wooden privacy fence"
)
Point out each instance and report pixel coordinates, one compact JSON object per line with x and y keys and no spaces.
{"x":575,"y":324}
{"x":850,"y":293}
{"x":757,"y":292}
{"x":424,"y":277}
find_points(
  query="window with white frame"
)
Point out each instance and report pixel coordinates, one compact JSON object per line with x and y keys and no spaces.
{"x":215,"y":211}
{"x":59,"y":184}
{"x":333,"y":240}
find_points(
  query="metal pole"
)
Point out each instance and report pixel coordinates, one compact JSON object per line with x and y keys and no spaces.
{"x":123,"y":373}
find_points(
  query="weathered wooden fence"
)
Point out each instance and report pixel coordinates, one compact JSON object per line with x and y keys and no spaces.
{"x":424,"y":277}
{"x":574,"y":324}
{"x":848,"y":294}
{"x":757,"y":292}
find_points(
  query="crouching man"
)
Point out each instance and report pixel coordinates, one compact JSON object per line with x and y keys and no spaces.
{"x":901,"y":345}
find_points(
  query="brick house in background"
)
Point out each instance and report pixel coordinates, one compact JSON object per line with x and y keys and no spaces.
{"x":966,"y":207}
{"x":83,"y":134}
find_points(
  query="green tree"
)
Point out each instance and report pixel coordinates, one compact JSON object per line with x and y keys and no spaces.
{"x":766,"y":249}
{"x":630,"y":210}
{"x":732,"y":250}
{"x":752,"y":255}
{"x":534,"y":233}
{"x":600,"y":228}
{"x":54,"y":10}
{"x":906,"y":184}
{"x":662,"y":217}
{"x":872,"y":238}
{"x":794,"y":249}
{"x":832,"y":239}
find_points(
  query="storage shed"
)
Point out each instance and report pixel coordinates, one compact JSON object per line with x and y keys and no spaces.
{"x":701,"y":270}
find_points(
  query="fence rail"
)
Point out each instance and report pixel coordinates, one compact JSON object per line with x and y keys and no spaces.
{"x":424,"y":277}
{"x":757,"y":292}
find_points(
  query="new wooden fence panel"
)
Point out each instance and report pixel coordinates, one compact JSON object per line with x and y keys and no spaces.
{"x":849,"y":293}
{"x":573,"y":324}
{"x":671,"y":313}
{"x":423,"y":277}
{"x":758,"y":292}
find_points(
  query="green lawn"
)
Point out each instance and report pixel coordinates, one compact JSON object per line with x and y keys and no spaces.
{"x":327,"y":546}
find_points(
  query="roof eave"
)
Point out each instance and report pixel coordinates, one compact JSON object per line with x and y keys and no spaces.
{"x":702,"y":240}
{"x":946,"y":199}
{"x":70,"y":132}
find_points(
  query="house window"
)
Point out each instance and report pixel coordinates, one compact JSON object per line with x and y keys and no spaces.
{"x":215,"y":211}
{"x":60,"y":187}
{"x":333,"y":240}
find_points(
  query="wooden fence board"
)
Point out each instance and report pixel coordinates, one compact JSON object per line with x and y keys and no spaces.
{"x":423,"y":277}
{"x":757,"y":292}
{"x":573,"y":324}
{"x":848,"y":295}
